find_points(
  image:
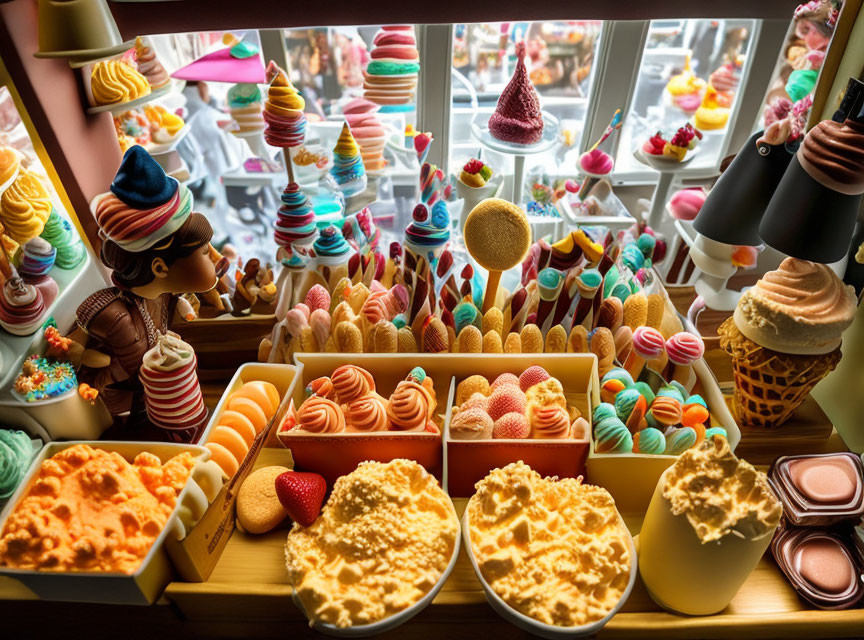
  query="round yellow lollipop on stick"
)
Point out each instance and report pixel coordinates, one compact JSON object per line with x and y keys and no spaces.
{"x":497,"y":235}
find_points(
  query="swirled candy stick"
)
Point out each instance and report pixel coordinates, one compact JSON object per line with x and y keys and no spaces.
{"x":648,"y":344}
{"x":683,"y":349}
{"x":588,"y":283}
{"x":549,"y":283}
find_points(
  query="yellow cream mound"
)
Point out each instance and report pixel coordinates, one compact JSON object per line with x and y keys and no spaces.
{"x":114,"y":82}
{"x":554,"y":550}
{"x":91,"y":510}
{"x":720,"y":493}
{"x":381,"y":543}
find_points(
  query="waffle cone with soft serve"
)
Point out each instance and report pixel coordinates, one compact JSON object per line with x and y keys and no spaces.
{"x":784,"y":338}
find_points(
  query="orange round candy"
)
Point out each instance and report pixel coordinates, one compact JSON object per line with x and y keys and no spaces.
{"x":694,"y":414}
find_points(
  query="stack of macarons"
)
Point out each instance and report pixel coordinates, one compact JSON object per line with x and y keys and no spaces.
{"x":247,"y":413}
{"x":634,"y":419}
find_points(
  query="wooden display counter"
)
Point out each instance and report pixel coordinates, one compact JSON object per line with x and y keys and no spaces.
{"x":248,"y":595}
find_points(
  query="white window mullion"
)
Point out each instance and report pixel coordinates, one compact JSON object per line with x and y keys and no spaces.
{"x":435,"y":42}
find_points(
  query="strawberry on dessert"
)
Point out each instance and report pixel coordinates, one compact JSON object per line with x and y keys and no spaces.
{"x":302,"y":495}
{"x":511,"y":425}
{"x":517,"y":116}
{"x":475,"y":173}
{"x":655,"y":144}
{"x":684,"y":140}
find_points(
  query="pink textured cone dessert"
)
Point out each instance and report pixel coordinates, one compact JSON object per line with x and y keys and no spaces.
{"x":517,"y":117}
{"x":172,"y":394}
{"x":367,"y":131}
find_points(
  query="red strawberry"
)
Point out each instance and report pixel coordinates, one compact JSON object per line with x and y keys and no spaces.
{"x":302,"y":495}
{"x":473,"y":166}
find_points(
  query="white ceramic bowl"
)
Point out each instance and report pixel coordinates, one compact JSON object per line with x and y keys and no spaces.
{"x":541,"y":629}
{"x":396,"y":620}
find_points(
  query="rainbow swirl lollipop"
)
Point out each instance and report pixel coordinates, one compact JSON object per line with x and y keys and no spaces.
{"x":283,"y":111}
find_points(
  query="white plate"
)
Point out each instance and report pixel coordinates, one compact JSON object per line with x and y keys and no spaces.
{"x":541,"y":629}
{"x":396,"y":620}
{"x":132,"y":104}
{"x":158,"y":148}
{"x":662,"y":163}
{"x":549,"y":139}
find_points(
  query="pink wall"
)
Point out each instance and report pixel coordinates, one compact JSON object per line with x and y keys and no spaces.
{"x":83,"y":148}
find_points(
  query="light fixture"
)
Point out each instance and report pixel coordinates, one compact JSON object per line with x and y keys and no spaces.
{"x":78,"y":30}
{"x":813,"y":212}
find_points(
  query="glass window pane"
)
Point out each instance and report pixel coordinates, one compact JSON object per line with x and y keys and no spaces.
{"x":710,"y":49}
{"x":560,"y":60}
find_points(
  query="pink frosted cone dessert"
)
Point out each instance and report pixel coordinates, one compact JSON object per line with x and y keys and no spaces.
{"x":172,"y":395}
{"x":367,"y":131}
{"x":517,"y":117}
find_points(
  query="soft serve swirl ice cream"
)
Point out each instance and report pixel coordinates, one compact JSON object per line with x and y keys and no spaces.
{"x":833,"y":154}
{"x":22,"y":307}
{"x":70,"y":250}
{"x":149,"y":65}
{"x":801,"y":308}
{"x":347,"y":169}
{"x":283,"y":111}
{"x":116,"y":81}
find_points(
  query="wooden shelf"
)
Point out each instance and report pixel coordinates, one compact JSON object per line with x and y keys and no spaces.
{"x":248,"y":595}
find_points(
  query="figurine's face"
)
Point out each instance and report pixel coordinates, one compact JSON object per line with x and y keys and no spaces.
{"x":812,"y":37}
{"x":195,"y":273}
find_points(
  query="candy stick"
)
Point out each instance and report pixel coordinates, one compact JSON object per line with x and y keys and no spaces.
{"x":549,"y":283}
{"x":614,"y":123}
{"x":588,"y":283}
{"x":648,"y":344}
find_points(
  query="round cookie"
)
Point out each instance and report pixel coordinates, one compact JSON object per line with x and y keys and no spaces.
{"x":258,"y":506}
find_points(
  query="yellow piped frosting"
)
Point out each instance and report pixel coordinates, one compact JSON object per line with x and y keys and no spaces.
{"x":115,"y":82}
{"x":25,"y":207}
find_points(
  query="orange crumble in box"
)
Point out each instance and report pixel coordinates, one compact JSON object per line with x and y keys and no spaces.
{"x":90,"y":510}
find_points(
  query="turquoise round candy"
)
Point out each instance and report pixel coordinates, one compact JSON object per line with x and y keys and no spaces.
{"x":671,"y":392}
{"x":618,"y":374}
{"x":678,"y":441}
{"x":626,"y":401}
{"x":650,"y":441}
{"x":604,"y":410}
{"x":645,"y":389}
{"x":715,"y":431}
{"x":612,"y":436}
{"x":696,"y":399}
